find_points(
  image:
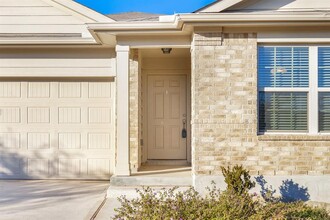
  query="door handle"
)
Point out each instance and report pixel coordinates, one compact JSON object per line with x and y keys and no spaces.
{"x":184,"y":130}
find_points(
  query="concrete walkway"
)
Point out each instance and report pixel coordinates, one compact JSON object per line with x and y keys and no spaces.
{"x":51,"y":200}
{"x":108,"y":210}
{"x":156,"y":177}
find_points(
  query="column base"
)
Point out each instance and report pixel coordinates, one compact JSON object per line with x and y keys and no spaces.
{"x":123,"y":172}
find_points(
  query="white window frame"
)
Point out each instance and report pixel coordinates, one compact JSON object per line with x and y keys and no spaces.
{"x":313,"y":99}
{"x":312,"y":92}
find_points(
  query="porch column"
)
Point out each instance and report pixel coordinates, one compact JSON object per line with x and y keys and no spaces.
{"x":123,"y":157}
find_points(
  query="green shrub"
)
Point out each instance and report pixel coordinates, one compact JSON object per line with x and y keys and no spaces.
{"x":295,"y":210}
{"x":235,"y":203}
{"x":171,"y":204}
{"x":163,"y":204}
{"x":237,"y":179}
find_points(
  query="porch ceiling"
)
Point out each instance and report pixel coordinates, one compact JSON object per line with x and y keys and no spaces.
{"x":157,"y":53}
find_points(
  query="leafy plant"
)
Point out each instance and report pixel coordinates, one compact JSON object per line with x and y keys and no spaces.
{"x":238,"y":179}
{"x":295,"y":210}
{"x":172,"y":204}
{"x":235,"y":203}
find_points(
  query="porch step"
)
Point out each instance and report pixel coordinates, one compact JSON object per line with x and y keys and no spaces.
{"x":127,"y":186}
{"x":154,"y":181}
{"x":156,"y":177}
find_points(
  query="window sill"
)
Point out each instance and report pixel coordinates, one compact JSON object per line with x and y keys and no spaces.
{"x":293,"y":137}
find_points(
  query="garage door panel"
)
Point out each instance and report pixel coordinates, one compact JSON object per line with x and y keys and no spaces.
{"x":57,"y":129}
{"x":10,"y":89}
{"x":38,"y":140}
{"x":38,"y":115}
{"x":11,"y":166}
{"x":98,"y":167}
{"x":10,"y":114}
{"x":10,"y":140}
{"x":38,"y":167}
{"x":70,"y":90}
{"x":99,"y":115}
{"x":69,"y":140}
{"x":69,"y":115}
{"x":99,"y":141}
{"x":38,"y":90}
{"x":70,"y":167}
{"x":99,"y":90}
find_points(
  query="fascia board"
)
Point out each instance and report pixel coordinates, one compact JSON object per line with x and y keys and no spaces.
{"x":249,"y":16}
{"x":243,"y":17}
{"x":176,"y":24}
{"x":218,"y":19}
{"x":49,"y":42}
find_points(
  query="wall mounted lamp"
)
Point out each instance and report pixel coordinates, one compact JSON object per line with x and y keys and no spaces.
{"x":166,"y":50}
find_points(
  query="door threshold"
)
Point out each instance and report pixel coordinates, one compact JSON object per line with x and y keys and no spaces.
{"x":167,"y":163}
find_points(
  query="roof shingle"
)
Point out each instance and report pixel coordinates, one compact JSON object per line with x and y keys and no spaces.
{"x":134,"y":16}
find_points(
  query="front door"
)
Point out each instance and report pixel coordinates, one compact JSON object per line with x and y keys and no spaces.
{"x":167,"y":117}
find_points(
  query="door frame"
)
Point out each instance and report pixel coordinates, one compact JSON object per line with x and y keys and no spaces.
{"x":145,"y":74}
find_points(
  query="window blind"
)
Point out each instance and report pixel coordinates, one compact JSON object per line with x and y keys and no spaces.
{"x":283,"y":67}
{"x":283,"y":111}
{"x":324,"y":111}
{"x":324,"y":66}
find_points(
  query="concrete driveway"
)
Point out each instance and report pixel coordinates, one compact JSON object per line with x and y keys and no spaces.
{"x":51,"y":200}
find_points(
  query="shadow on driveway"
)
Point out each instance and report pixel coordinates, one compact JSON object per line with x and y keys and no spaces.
{"x":48,"y":199}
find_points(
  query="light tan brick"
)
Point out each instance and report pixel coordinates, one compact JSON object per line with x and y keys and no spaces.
{"x":224,"y":114}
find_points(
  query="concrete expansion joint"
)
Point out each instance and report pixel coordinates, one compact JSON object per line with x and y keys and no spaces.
{"x":97,"y":211}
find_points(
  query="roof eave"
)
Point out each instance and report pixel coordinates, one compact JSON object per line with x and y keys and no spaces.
{"x":240,"y":19}
{"x":48,"y":42}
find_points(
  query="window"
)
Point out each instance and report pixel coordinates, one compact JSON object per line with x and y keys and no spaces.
{"x":283,"y":111}
{"x":324,"y":111}
{"x":294,"y":89}
{"x":324,"y":88}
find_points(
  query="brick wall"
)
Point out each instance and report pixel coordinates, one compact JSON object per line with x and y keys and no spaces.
{"x":224,"y":114}
{"x":135,"y":112}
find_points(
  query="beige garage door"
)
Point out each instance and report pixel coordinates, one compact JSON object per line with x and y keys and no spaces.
{"x":60,"y":128}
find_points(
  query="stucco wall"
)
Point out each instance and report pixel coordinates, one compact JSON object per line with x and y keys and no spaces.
{"x":224,"y":117}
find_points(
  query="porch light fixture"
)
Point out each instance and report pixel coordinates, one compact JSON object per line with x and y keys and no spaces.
{"x":166,"y":50}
